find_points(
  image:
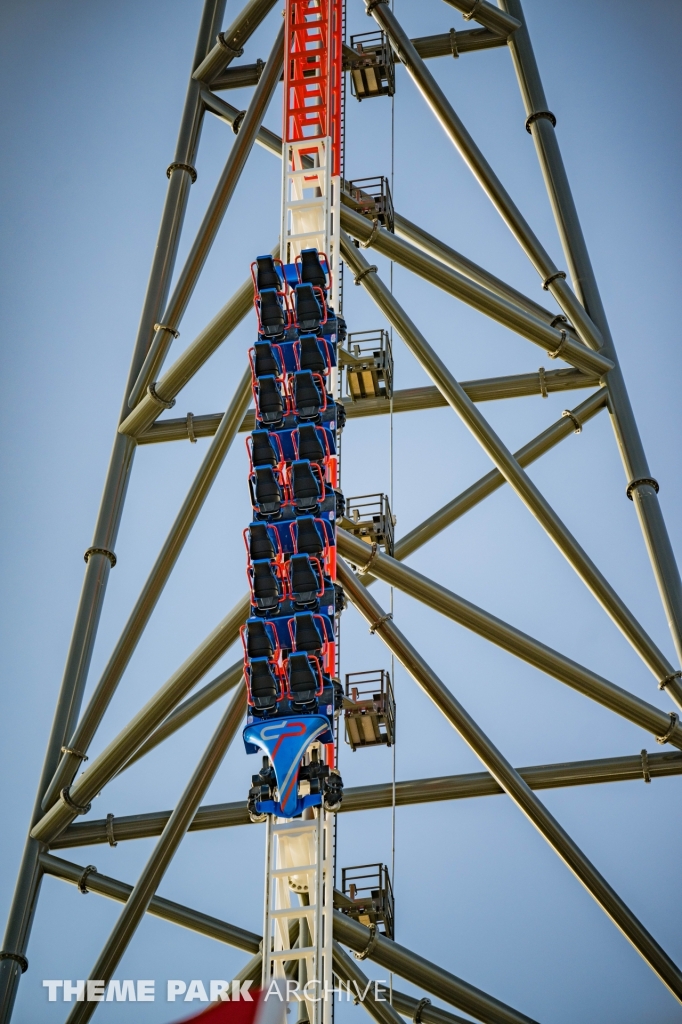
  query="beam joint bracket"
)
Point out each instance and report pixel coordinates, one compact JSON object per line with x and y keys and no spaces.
{"x":373,"y":934}
{"x":224,"y":45}
{"x":553,"y":277}
{"x":161,"y":402}
{"x":65,"y":798}
{"x":641,"y":480}
{"x":110,"y":830}
{"x":83,"y":880}
{"x":547,"y":115}
{"x":17,"y":957}
{"x":421,"y":1005}
{"x":112,"y":558}
{"x":76,"y":753}
{"x":182,"y":167}
{"x":558,"y":350}
{"x":576,"y":422}
{"x":669,"y":679}
{"x":674,"y":719}
{"x":367,"y":270}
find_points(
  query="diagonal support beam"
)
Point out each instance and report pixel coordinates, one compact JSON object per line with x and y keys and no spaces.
{"x":192,"y":359}
{"x":100,"y":556}
{"x":462,"y":264}
{"x":213,"y":218}
{"x":164,"y":851}
{"x":493,"y":480}
{"x":106,"y":765}
{"x":408,"y":1006}
{"x":637,"y":767}
{"x":396,"y":574}
{"x":347,"y":969}
{"x":167,"y":910}
{"x":517,"y":318}
{"x":512,"y":783}
{"x":641,"y":487}
{"x":487,"y":14}
{"x":227,"y":113}
{"x":190,"y":708}
{"x":416,"y":969}
{"x":230,"y":43}
{"x":553,"y":279}
{"x":513,"y":473}
{"x":510,"y":303}
{"x":151,"y":592}
{"x":93,"y":881}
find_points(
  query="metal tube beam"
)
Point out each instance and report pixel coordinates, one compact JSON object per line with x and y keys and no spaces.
{"x":516,"y":318}
{"x":428,"y":1014}
{"x":451,"y":258}
{"x":226,"y":112}
{"x":441,"y":45}
{"x":493,"y":480}
{"x":460,"y":137}
{"x":644,"y":493}
{"x":488,"y":15}
{"x":101,"y":553}
{"x":192,"y":359}
{"x":644,"y":766}
{"x":167,"y":910}
{"x":229,"y":44}
{"x":422,"y":972}
{"x":408,"y":400}
{"x":348,"y":970}
{"x":396,"y":574}
{"x":515,"y":476}
{"x":469,"y":41}
{"x":512,"y":783}
{"x":213,"y":218}
{"x":164,"y":851}
{"x":112,"y":759}
{"x":151,"y":592}
{"x":222,"y":931}
{"x":190,"y":708}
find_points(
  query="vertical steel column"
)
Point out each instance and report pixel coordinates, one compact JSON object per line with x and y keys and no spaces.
{"x":641,"y":488}
{"x":100,"y":556}
{"x":164,"y":851}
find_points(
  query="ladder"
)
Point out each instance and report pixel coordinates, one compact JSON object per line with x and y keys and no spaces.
{"x":299,"y":902}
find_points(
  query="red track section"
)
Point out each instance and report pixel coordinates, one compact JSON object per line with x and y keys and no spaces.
{"x":312,"y":73}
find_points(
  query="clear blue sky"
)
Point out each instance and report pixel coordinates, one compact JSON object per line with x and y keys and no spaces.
{"x":91,"y":100}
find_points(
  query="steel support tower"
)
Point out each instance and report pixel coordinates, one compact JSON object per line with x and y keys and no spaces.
{"x":348,"y":222}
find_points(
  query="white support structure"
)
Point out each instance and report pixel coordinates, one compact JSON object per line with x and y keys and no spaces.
{"x":299,"y":886}
{"x":311,"y":205}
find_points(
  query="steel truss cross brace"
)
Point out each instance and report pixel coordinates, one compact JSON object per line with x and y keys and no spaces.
{"x":664,"y":727}
{"x":642,"y":767}
{"x":389,"y":954}
{"x":507,"y":465}
{"x":588,"y":347}
{"x":512,"y":783}
{"x":407,"y":400}
{"x":584,"y":309}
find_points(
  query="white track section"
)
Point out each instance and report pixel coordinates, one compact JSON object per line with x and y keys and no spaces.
{"x":311,"y":203}
{"x":299,"y":886}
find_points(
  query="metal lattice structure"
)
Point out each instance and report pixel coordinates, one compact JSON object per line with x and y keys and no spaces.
{"x":579,"y":336}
